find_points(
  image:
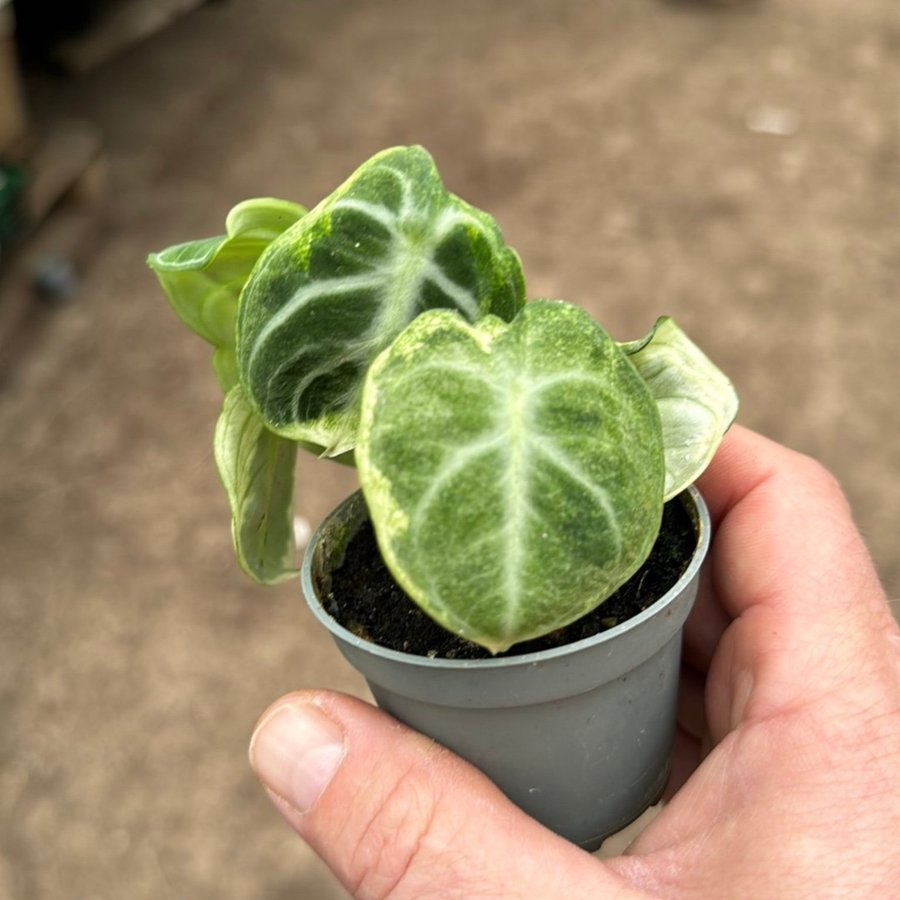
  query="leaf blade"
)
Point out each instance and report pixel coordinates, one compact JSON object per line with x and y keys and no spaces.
{"x":256,"y":468}
{"x":262,"y":218}
{"x":336,"y":288}
{"x":697,"y":402}
{"x":203,"y":279}
{"x":534,"y":484}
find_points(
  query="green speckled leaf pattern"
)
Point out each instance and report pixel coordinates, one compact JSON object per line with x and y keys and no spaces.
{"x":697,"y":403}
{"x":203,"y":279}
{"x":257,"y":471}
{"x":513,"y":472}
{"x":336,"y":288}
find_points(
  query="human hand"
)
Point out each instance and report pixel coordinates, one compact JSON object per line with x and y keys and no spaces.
{"x":786,"y":775}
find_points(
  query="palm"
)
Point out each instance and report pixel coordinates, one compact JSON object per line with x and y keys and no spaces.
{"x":779,"y":700}
{"x":788,"y":747}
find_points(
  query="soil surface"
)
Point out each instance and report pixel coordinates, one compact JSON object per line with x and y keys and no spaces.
{"x":366,"y":600}
{"x":732,"y":165}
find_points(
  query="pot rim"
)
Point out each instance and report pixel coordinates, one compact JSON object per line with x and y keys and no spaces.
{"x":699,"y":514}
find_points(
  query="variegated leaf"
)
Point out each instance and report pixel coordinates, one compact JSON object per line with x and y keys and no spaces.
{"x":203,"y":279}
{"x":513,"y":472}
{"x":336,"y":288}
{"x":697,"y":403}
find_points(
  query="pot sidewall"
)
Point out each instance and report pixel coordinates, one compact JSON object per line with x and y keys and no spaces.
{"x":577,"y":736}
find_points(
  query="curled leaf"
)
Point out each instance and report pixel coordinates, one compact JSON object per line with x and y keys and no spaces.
{"x":261,"y":219}
{"x":203,"y":279}
{"x":257,"y":471}
{"x":696,"y":402}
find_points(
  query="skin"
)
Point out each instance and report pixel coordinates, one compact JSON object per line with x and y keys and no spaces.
{"x":787,"y":764}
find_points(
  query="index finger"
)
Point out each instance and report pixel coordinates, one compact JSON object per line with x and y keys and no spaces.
{"x":789,"y":569}
{"x":743,"y":461}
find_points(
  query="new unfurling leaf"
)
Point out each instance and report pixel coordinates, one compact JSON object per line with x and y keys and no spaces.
{"x":203,"y":279}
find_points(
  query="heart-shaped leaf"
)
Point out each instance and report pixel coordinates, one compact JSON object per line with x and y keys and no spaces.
{"x":203,"y":279}
{"x":513,"y":472}
{"x":336,"y":288}
{"x":697,"y":403}
{"x":257,"y":471}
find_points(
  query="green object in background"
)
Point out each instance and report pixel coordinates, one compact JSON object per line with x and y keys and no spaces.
{"x":12,"y":218}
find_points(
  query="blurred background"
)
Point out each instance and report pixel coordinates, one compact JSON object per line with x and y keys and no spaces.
{"x":734,"y":165}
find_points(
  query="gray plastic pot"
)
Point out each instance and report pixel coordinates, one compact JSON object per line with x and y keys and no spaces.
{"x":578,"y":736}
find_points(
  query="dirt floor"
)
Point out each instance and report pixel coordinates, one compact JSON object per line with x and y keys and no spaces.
{"x":735,"y":166}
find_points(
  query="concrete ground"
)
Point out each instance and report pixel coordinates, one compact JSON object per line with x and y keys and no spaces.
{"x":733,"y":165}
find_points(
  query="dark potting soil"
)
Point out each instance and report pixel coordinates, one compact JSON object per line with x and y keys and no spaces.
{"x":366,"y":600}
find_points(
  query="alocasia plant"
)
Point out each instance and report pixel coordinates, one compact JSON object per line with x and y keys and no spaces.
{"x":514,"y":458}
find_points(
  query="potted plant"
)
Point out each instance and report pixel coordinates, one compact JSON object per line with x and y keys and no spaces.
{"x":514,"y":575}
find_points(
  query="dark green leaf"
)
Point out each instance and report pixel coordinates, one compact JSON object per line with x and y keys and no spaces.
{"x":338,"y":286}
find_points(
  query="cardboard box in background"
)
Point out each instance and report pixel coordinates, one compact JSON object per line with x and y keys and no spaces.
{"x":13,"y":120}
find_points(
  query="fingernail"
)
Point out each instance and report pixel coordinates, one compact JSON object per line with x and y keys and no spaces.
{"x":295,"y":752}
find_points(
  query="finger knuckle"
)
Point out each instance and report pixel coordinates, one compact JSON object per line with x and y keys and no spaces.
{"x":820,"y":479}
{"x":384,"y":860}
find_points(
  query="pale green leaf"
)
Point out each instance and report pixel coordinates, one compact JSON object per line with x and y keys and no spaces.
{"x":697,"y":403}
{"x":337,"y":287}
{"x":513,"y":472}
{"x":203,"y":279}
{"x":257,"y":471}
{"x":262,"y":218}
{"x":225,"y":367}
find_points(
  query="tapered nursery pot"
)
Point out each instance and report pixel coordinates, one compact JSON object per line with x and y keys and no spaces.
{"x":578,"y":736}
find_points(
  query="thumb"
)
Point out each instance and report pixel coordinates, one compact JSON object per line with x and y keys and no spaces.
{"x":394,"y":814}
